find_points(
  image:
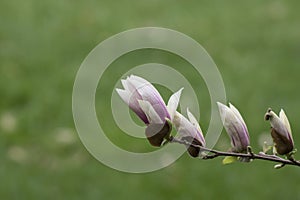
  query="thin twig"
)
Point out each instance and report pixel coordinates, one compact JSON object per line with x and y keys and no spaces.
{"x":215,"y":153}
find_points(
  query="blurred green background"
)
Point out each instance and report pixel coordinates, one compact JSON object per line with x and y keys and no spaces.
{"x":255,"y":44}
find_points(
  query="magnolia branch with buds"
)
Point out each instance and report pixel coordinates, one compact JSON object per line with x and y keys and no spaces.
{"x":249,"y":155}
{"x":143,"y":99}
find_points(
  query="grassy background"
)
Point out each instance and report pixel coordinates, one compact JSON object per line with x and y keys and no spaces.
{"x":255,"y":44}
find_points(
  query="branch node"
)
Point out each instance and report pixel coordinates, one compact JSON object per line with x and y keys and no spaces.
{"x":249,"y":150}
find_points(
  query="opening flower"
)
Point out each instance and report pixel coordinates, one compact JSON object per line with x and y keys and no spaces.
{"x":190,"y":131}
{"x":280,"y":132}
{"x":143,"y":99}
{"x":235,"y":127}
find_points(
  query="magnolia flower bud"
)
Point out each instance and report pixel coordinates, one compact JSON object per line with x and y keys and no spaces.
{"x":143,"y":99}
{"x":190,"y":131}
{"x":280,"y":132}
{"x":139,"y":91}
{"x":235,"y":127}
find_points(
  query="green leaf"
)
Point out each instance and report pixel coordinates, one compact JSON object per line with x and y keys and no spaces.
{"x":266,"y":147}
{"x":228,"y":160}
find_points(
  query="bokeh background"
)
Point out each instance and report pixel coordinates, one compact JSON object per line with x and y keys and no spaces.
{"x":255,"y":44}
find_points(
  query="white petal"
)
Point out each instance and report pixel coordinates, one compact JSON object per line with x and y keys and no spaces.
{"x":278,"y":124}
{"x":176,"y":119}
{"x":149,"y":111}
{"x":236,"y":112}
{"x":126,"y":85}
{"x":224,"y":110}
{"x":125,"y":95}
{"x":275,"y":121}
{"x":193,"y":120}
{"x":142,"y":86}
{"x":173,"y":103}
{"x":183,"y":126}
{"x":186,"y":129}
{"x":228,"y":117}
{"x":138,"y":79}
{"x":238,"y":115}
{"x":285,"y":120}
{"x":146,"y":90}
{"x":137,"y":84}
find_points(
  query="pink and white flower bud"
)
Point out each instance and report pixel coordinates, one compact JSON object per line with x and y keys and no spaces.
{"x":235,"y":127}
{"x":280,"y":132}
{"x":189,"y":130}
{"x":143,"y":99}
{"x":136,"y":90}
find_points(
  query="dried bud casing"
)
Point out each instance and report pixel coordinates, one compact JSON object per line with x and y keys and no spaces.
{"x":193,"y":151}
{"x":156,"y":133}
{"x":282,"y":144}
